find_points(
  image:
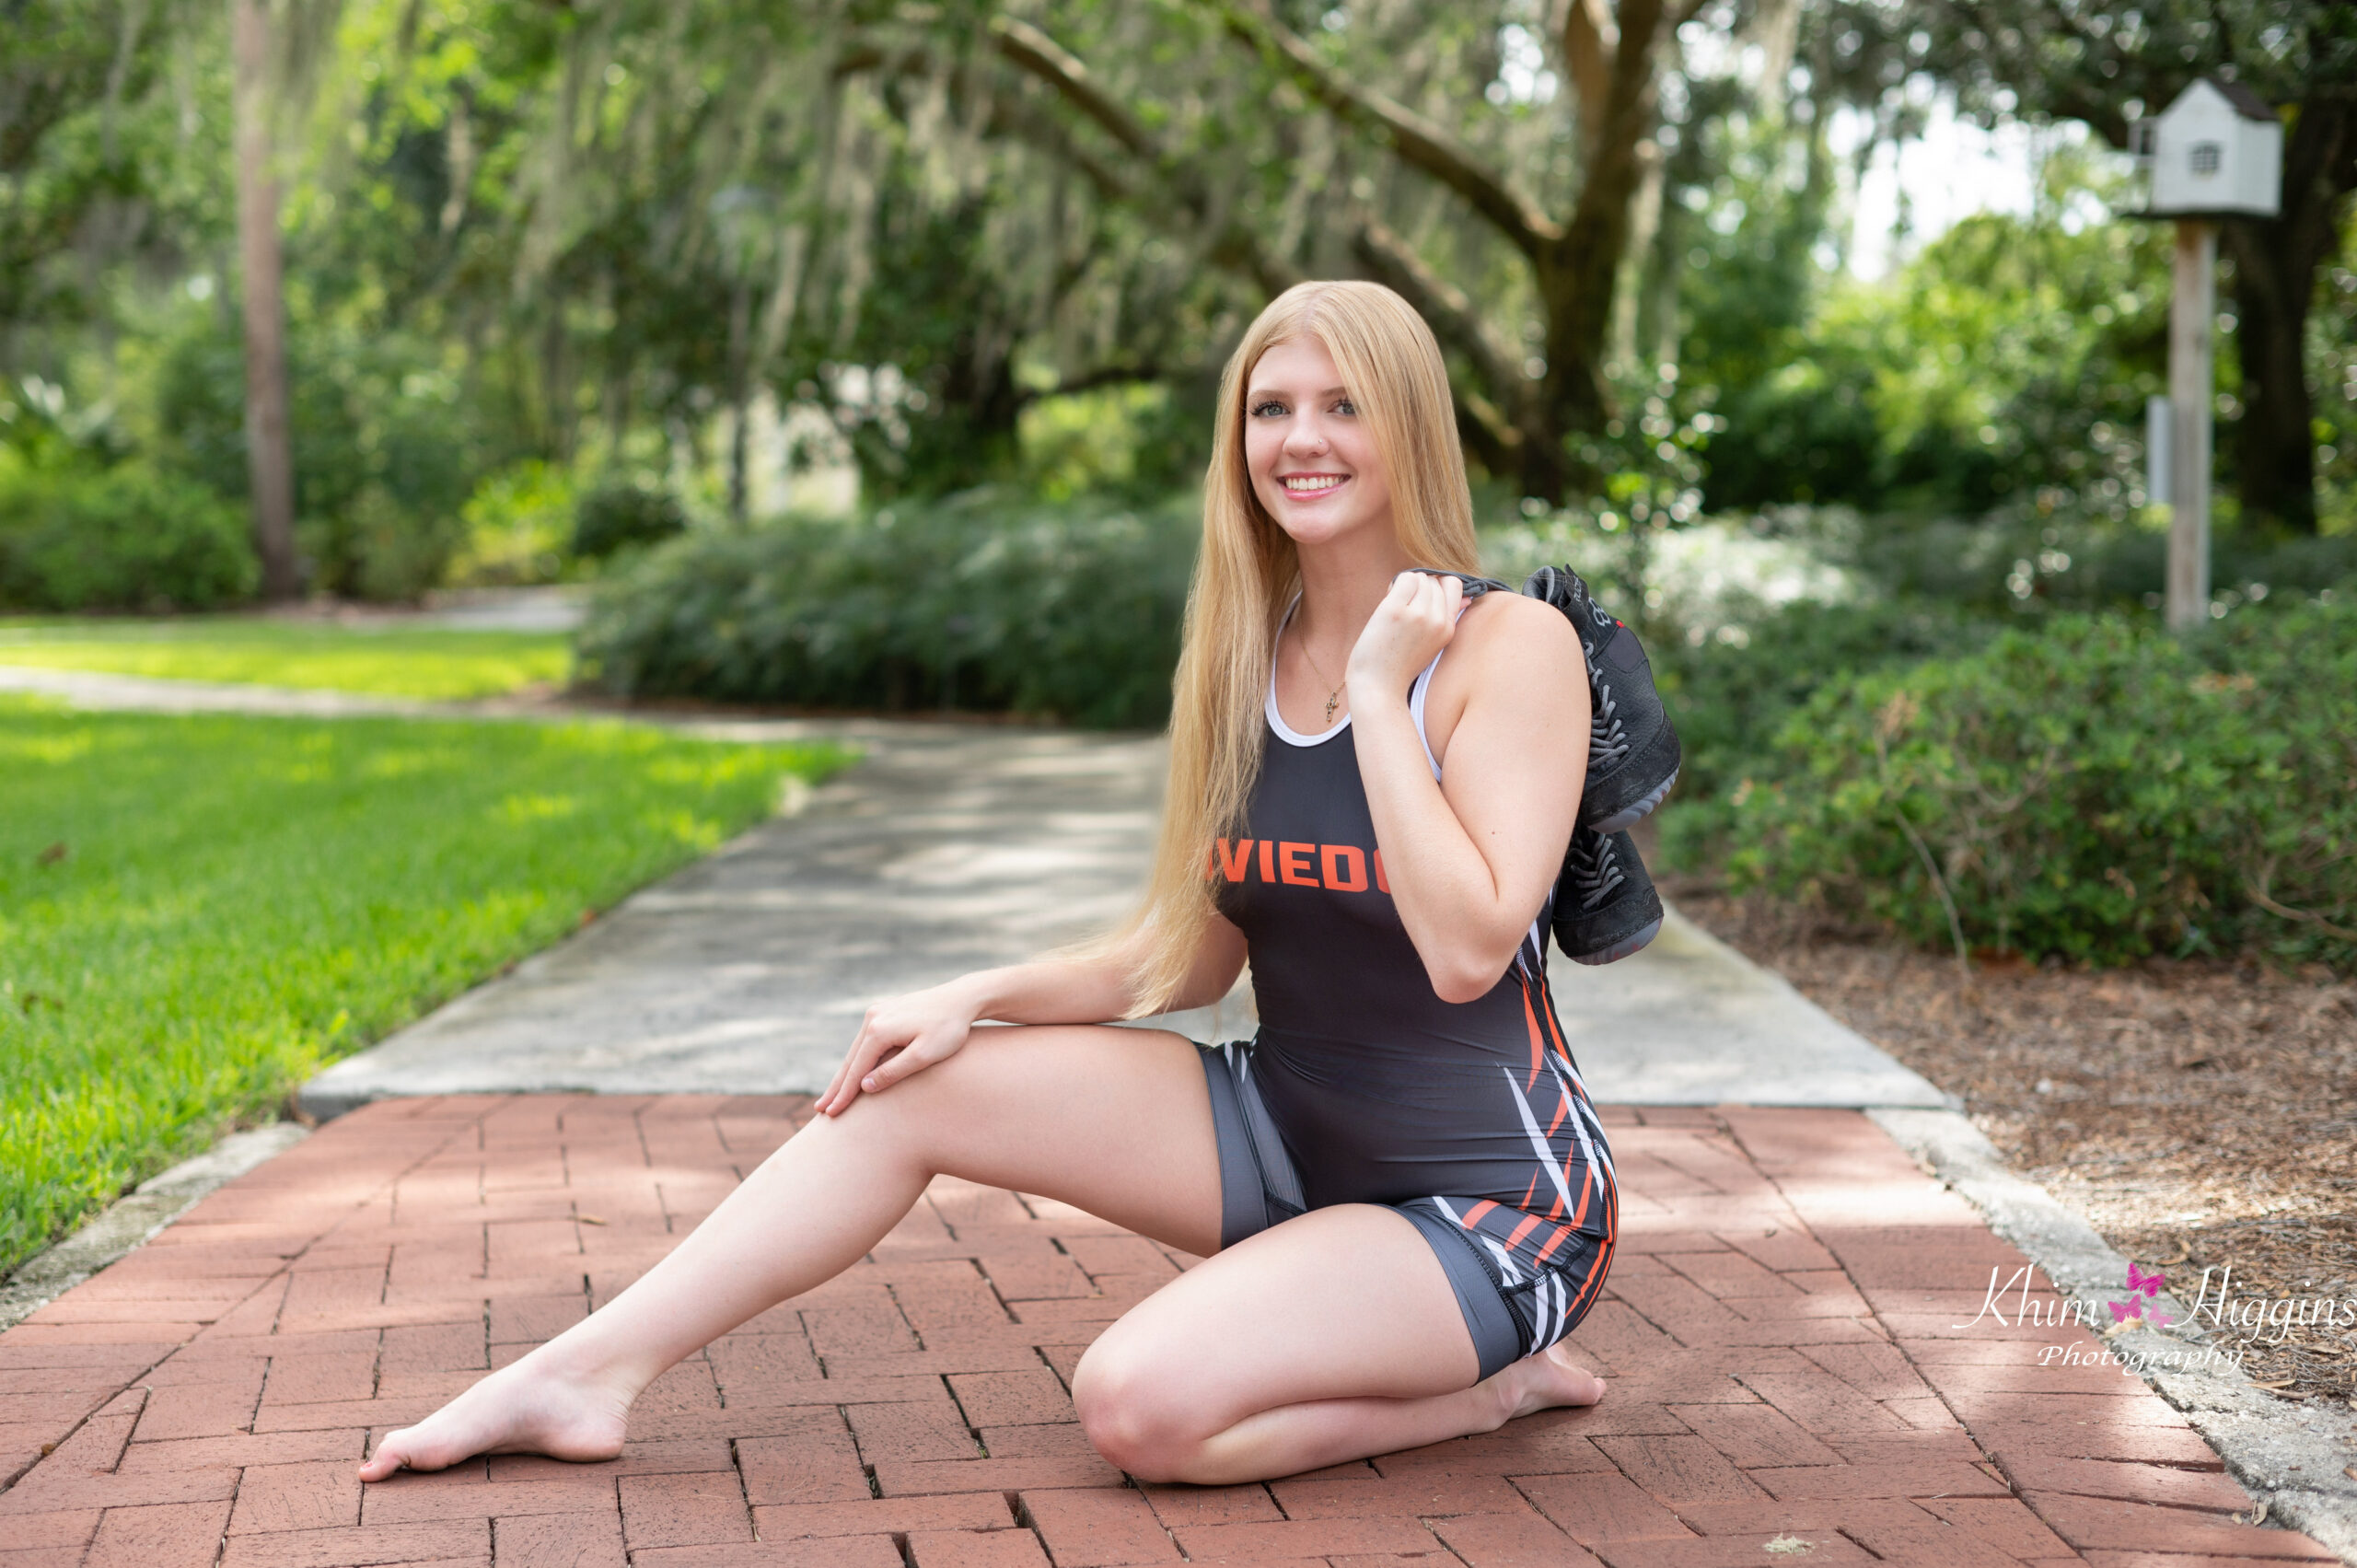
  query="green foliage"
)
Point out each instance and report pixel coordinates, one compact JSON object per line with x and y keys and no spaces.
{"x":519,"y":523}
{"x":385,"y":662}
{"x":2093,"y":791}
{"x":387,"y":443}
{"x":2012,"y":354}
{"x":2057,"y":548}
{"x":970,"y":603}
{"x":76,"y":537}
{"x":625,"y":514}
{"x":164,"y":975}
{"x":1731,"y":690}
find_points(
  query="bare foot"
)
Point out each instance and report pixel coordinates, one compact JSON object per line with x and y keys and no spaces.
{"x":1552,"y":1379}
{"x":531,"y":1407}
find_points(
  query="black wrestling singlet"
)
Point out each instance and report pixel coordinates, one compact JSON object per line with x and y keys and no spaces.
{"x":1468,"y":1117}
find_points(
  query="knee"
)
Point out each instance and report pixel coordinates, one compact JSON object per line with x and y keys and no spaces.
{"x":1137,"y":1413}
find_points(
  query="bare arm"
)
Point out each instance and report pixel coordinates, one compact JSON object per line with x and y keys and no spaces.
{"x":908,"y":1034}
{"x":1471,"y":858}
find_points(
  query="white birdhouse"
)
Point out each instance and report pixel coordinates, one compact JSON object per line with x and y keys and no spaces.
{"x":2217,"y":151}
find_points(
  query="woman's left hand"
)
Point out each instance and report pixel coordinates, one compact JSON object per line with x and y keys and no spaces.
{"x":1412,"y":625}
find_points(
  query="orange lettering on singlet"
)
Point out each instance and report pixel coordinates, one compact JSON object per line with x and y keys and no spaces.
{"x":1352,"y":876}
{"x":1232,"y":867}
{"x":1297,"y":875}
{"x":1268,"y":860}
{"x":1382,"y":884}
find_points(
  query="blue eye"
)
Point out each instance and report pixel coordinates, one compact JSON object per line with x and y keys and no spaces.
{"x":1346,"y":406}
{"x":1269,"y":409}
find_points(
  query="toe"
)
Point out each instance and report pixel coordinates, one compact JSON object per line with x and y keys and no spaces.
{"x":387,"y":1460}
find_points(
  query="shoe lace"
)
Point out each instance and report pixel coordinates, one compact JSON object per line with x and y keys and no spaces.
{"x":1608,"y":737}
{"x":1596,"y":869}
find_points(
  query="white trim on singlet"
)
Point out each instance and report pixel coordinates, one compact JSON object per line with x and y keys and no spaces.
{"x":1293,"y":736}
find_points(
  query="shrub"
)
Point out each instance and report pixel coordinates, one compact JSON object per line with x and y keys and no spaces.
{"x":1731,"y":691}
{"x":517,"y":526}
{"x":968,"y":603}
{"x":620,"y":514}
{"x":74,"y":538}
{"x":2095,"y":790}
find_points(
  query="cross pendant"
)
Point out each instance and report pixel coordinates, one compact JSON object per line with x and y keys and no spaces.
{"x":1330,"y":708}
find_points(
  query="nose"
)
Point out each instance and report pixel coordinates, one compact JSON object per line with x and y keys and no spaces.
{"x":1305,"y":438}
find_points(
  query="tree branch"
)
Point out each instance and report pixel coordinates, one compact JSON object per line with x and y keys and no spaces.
{"x":1451,"y":315}
{"x":1103,"y":376}
{"x":1418,"y":141}
{"x":1231,"y":243}
{"x":1043,"y":57}
{"x":1588,"y":36}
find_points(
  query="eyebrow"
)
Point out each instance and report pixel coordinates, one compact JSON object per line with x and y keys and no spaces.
{"x":1274,"y":392}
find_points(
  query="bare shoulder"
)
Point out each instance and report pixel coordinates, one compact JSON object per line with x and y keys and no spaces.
{"x":1517,"y":662}
{"x":1508,"y":636}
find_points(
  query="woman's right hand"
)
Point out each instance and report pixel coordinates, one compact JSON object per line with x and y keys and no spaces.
{"x":903,"y":1035}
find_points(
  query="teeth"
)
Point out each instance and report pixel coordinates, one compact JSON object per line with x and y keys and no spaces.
{"x":1311,"y":482}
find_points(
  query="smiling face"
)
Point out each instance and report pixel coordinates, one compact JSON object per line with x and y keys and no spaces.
{"x":1312,"y":457}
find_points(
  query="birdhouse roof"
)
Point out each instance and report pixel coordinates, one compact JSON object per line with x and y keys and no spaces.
{"x":2246,"y":103}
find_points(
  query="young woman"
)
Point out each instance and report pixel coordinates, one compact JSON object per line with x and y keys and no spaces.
{"x":1403,"y":1193}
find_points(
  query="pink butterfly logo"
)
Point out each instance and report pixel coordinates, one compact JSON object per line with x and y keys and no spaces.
{"x":2141,"y":1288}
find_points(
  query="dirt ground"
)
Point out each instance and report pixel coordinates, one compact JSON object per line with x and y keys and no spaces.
{"x":2202,"y":1115}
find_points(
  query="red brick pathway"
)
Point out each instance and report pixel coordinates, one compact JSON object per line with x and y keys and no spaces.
{"x":1786,"y":1381}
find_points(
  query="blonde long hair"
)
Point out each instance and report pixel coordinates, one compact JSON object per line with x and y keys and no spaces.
{"x":1248,"y":573}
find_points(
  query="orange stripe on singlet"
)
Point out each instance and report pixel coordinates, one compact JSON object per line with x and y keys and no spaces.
{"x":1553,"y":1242}
{"x":1595,"y":1269}
{"x":1475,"y":1213}
{"x":1529,"y":1222}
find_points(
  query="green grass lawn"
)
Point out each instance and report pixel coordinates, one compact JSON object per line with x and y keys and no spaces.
{"x":196,"y":913}
{"x":388,"y":662}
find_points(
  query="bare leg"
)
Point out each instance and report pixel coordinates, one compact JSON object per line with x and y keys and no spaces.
{"x":1115,"y":1121}
{"x":1330,"y":1338}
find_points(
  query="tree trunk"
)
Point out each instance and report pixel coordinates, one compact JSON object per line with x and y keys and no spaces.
{"x":2275,"y":274}
{"x":2274,"y":450}
{"x":1577,"y":273}
{"x":741,"y":399}
{"x":270,"y":460}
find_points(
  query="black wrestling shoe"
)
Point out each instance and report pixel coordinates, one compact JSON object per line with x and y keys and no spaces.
{"x":1632,"y":752}
{"x":1605,"y":904}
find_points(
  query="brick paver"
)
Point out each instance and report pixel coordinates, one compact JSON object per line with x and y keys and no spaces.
{"x":1790,"y":1337}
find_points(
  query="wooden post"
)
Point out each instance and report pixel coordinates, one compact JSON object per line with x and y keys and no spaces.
{"x":270,"y":461}
{"x":2192,"y":304}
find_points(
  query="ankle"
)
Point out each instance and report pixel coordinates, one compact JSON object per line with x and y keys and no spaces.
{"x":578,"y":1358}
{"x":1509,"y":1391}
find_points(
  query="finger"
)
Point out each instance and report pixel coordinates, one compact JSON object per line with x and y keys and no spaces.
{"x":843,"y":1074}
{"x":893,"y":1068}
{"x":855,"y":1069}
{"x":835,"y":1084}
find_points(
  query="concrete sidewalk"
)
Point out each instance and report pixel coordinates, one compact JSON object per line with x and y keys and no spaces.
{"x":1788,"y":1331}
{"x":951,"y":848}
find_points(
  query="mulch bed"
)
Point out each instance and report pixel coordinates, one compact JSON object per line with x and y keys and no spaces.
{"x":2201,"y":1114}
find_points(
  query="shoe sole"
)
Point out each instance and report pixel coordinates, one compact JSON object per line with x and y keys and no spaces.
{"x":1660,"y":761}
{"x":1625,"y":947}
{"x":1629,"y":816}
